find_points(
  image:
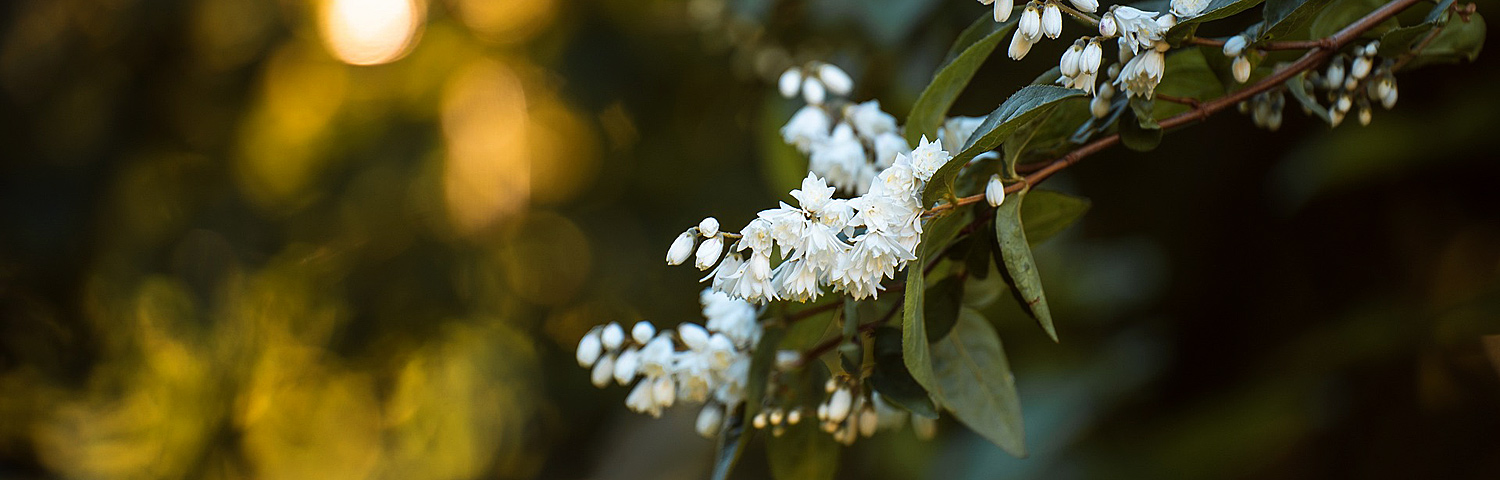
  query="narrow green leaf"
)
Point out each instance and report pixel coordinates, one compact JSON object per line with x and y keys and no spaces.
{"x":941,"y":309}
{"x":1459,"y":41}
{"x":1023,"y":106}
{"x":914,"y":339}
{"x":732,"y":440}
{"x":1283,"y":18}
{"x":977,"y":385}
{"x":968,"y":52}
{"x":893,"y":380}
{"x":1136,"y":137}
{"x":1048,"y":213}
{"x":1297,"y":87}
{"x":1015,"y":251}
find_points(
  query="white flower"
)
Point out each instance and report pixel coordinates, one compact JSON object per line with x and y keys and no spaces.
{"x":868,"y":120}
{"x":1092,"y":55}
{"x":710,"y":419}
{"x":612,"y":336}
{"x":1365,"y":115}
{"x":709,"y":251}
{"x":790,"y":82}
{"x":839,"y":404}
{"x":1089,"y":6}
{"x":720,"y":351}
{"x":603,"y":370}
{"x":681,"y":248}
{"x":809,"y":126}
{"x":1166,"y":21}
{"x":1068,"y":65}
{"x":642,"y":332}
{"x":1138,"y":28}
{"x":1241,"y":69}
{"x":756,"y":236}
{"x":1002,"y":8}
{"x":840,"y":158}
{"x":994,"y":191}
{"x":1030,"y":25}
{"x":1052,"y":20}
{"x":664,"y":392}
{"x":693,"y":335}
{"x":797,"y":279}
{"x":1189,"y":8}
{"x":1140,"y":77}
{"x":927,"y":158}
{"x":814,"y":194}
{"x":1335,"y":74}
{"x":1019,"y":45}
{"x":813,"y":91}
{"x":640,"y":399}
{"x":887,"y":147}
{"x":709,"y":227}
{"x":1107,"y":25}
{"x":835,"y":79}
{"x":627,"y":365}
{"x":656,"y":357}
{"x":1235,"y":45}
{"x":733,"y":318}
{"x":589,"y":348}
{"x":693,"y":375}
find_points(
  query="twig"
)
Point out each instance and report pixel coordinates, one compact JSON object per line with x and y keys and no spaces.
{"x":1268,"y":46}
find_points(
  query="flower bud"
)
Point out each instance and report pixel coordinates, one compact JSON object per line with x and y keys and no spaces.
{"x":994,"y":191}
{"x":839,"y":405}
{"x":1365,"y":115}
{"x":1019,"y":45}
{"x":1089,"y":6}
{"x":834,"y":77}
{"x":786,"y":360}
{"x":693,"y":335}
{"x":1372,"y":48}
{"x":813,"y":91}
{"x":603,"y":371}
{"x":794,"y":417}
{"x":1068,"y":65}
{"x":708,"y":252}
{"x":1107,"y":25}
{"x":681,"y":248}
{"x":1389,"y":99}
{"x":589,"y":349}
{"x":759,"y":420}
{"x":1003,"y":9}
{"x":642,"y":332}
{"x":627,"y":365}
{"x":1052,"y":20}
{"x":1099,"y":105}
{"x":1241,"y":69}
{"x":664,"y":391}
{"x":822,"y":412}
{"x":1361,"y":67}
{"x":1273,"y":121}
{"x":708,"y":227}
{"x":1335,"y":75}
{"x":1235,"y":45}
{"x":1093,"y":54}
{"x":776,"y":416}
{"x":1335,"y":117}
{"x":789,"y":82}
{"x":1345,"y":103}
{"x":1030,"y":25}
{"x":868,"y":420}
{"x":830,"y":385}
{"x":710,"y":419}
{"x":613,"y":336}
{"x":1166,"y":22}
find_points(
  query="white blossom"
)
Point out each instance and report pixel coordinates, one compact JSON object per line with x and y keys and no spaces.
{"x":1030,"y":25}
{"x":1140,"y":77}
{"x":927,"y":158}
{"x":709,"y":252}
{"x":868,"y":120}
{"x":603,"y":371}
{"x":1189,"y":8}
{"x":589,"y":348}
{"x":1003,"y":8}
{"x":840,"y":159}
{"x":612,"y":337}
{"x":1020,"y":45}
{"x":710,"y":419}
{"x":835,"y":79}
{"x":681,"y":248}
{"x":1360,"y":68}
{"x":956,"y":132}
{"x":1052,"y":21}
{"x":809,"y":126}
{"x":790,"y":82}
{"x":1089,"y":6}
{"x":813,"y":91}
{"x":1099,"y":106}
{"x":887,"y":147}
{"x":642,"y":332}
{"x":627,"y":366}
{"x":1138,"y":28}
{"x":994,"y":191}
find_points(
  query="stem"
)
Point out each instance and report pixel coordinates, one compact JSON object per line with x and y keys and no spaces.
{"x":1321,"y":49}
{"x":1268,"y":46}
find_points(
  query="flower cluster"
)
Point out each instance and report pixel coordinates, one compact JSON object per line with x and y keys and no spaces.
{"x":1351,"y":82}
{"x":848,"y":146}
{"x":815,"y":82}
{"x":692,"y":364}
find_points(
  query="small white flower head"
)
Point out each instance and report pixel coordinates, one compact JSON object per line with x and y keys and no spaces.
{"x":1189,"y":8}
{"x":839,"y":405}
{"x":790,"y":82}
{"x":868,"y":120}
{"x":1365,"y":115}
{"x":813,"y":91}
{"x":1241,"y":69}
{"x":1031,"y":24}
{"x":1372,"y":48}
{"x":710,"y":419}
{"x":709,"y":251}
{"x":887,"y":147}
{"x":1360,"y":68}
{"x":1089,"y":6}
{"x":1052,"y":20}
{"x":681,"y":248}
{"x":627,"y":365}
{"x":1385,"y":88}
{"x":1092,"y":56}
{"x":589,"y":348}
{"x":1140,"y":77}
{"x":994,"y":191}
{"x":708,"y":227}
{"x":1235,"y":45}
{"x":1139,"y":29}
{"x":1344,"y":103}
{"x":1020,"y":44}
{"x":1003,"y":8}
{"x":1108,"y":27}
{"x":927,"y":158}
{"x":956,"y":132}
{"x":603,"y":371}
{"x":808,"y":127}
{"x":664,"y":391}
{"x":868,"y":420}
{"x":612,"y":337}
{"x":642,"y":332}
{"x":835,"y":79}
{"x":693,"y":335}
{"x":1335,"y":74}
{"x":1166,"y":22}
{"x":1068,"y":65}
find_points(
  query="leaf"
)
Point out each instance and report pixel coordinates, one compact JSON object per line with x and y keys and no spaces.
{"x":1340,"y":14}
{"x":1399,"y":41}
{"x":893,"y":380}
{"x":1285,"y":17}
{"x":977,"y":385}
{"x":1015,"y":251}
{"x":1048,"y":213}
{"x":1136,"y":137}
{"x":802,"y":451}
{"x":1187,"y":75}
{"x":913,"y":324}
{"x":1459,"y":41}
{"x":966,"y":55}
{"x":732,"y":440}
{"x":1216,"y":10}
{"x":1297,"y":87}
{"x":1023,"y":106}
{"x":941,"y":309}
{"x":734,"y":436}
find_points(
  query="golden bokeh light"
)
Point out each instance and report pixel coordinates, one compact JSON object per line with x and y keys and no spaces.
{"x":488,"y":171}
{"x":370,"y":32}
{"x":505,"y":21}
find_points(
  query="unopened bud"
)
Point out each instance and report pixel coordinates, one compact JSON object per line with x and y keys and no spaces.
{"x":994,"y":191}
{"x":1235,"y":45}
{"x":790,"y":82}
{"x":1241,"y":69}
{"x":834,"y":77}
{"x":813,"y":91}
{"x":613,"y":336}
{"x":681,"y":248}
{"x":710,"y":419}
{"x":709,"y":251}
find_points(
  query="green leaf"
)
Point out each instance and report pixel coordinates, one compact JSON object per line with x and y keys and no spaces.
{"x":1136,"y":137}
{"x":1015,"y":251}
{"x":968,"y":52}
{"x":1023,"y":106}
{"x":732,"y":440}
{"x":1286,"y":17}
{"x":1187,"y":75}
{"x":914,"y":340}
{"x":1399,"y":41}
{"x":1216,"y":10}
{"x":893,"y":380}
{"x":1340,"y":14}
{"x":735,"y":434}
{"x":1048,"y":213}
{"x":977,"y":385}
{"x":803,"y":451}
{"x":1297,"y":87}
{"x":1459,"y":41}
{"x":941,"y":310}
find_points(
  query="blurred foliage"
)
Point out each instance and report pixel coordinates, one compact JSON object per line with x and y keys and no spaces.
{"x":229,"y":252}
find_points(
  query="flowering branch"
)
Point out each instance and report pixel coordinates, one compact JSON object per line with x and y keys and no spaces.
{"x":1322,"y":49}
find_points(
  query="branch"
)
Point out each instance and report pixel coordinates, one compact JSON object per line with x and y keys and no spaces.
{"x":1321,"y":50}
{"x":1268,"y":46}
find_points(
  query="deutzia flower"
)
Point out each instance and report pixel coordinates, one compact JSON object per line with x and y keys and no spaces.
{"x":1002,"y":8}
{"x":956,"y":132}
{"x":927,"y":158}
{"x":681,"y":248}
{"x":887,"y":147}
{"x":868,"y":120}
{"x":1140,"y":77}
{"x":1089,"y":6}
{"x":1241,"y":69}
{"x":809,"y":126}
{"x":1138,"y":28}
{"x":790,"y":82}
{"x":1052,"y":20}
{"x":835,"y":79}
{"x":1235,"y":45}
{"x":840,"y":159}
{"x":994,"y":191}
{"x":1188,"y":8}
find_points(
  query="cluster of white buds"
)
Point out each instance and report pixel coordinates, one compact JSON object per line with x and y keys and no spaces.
{"x":1265,"y":108}
{"x":1142,"y":53}
{"x":1143,"y":72}
{"x":1235,"y":48}
{"x":1356,"y":86}
{"x":1099,"y":105}
{"x":1039,"y":18}
{"x":850,"y":412}
{"x":815,"y":82}
{"x":777,"y":419}
{"x":689,"y":364}
{"x":1080,"y":64}
{"x":846,"y":145}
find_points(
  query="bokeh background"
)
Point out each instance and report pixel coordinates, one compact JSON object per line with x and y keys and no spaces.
{"x":360,"y":239}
